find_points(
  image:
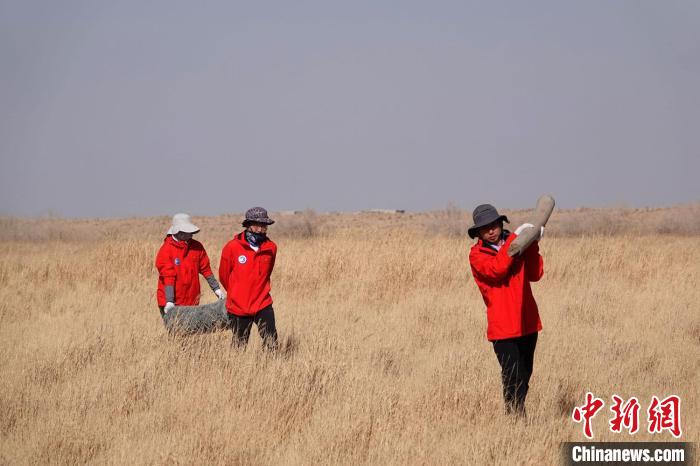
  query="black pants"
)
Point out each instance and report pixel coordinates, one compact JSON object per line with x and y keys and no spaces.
{"x":264,"y":319}
{"x":516,"y":357}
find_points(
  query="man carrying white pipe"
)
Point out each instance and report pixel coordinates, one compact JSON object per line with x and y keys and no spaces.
{"x":512,"y":315}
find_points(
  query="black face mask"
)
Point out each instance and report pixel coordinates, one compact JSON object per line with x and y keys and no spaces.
{"x":255,"y":239}
{"x":186,"y":237}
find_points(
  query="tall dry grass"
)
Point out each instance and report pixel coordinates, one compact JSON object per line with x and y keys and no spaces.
{"x":385,"y":357}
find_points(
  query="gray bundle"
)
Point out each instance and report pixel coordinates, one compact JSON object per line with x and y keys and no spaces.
{"x":197,"y":319}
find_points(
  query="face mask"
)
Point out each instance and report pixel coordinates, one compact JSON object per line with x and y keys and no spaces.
{"x":181,"y":236}
{"x":255,"y":239}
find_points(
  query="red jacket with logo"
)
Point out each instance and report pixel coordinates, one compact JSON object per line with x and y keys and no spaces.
{"x":504,"y":282}
{"x":179,"y":263}
{"x":245,"y":275}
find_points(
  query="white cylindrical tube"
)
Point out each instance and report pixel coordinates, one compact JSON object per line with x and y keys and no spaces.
{"x":545,"y":206}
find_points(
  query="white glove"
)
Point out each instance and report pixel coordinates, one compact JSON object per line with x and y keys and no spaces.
{"x":221,"y":294}
{"x":168,"y":307}
{"x":522,"y":227}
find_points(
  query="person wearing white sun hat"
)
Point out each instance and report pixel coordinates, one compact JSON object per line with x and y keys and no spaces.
{"x":180,"y":260}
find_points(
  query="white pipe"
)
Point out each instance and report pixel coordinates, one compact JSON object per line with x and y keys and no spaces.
{"x":545,"y":206}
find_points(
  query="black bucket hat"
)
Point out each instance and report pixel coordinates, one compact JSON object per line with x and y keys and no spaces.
{"x":482,"y":216}
{"x":257,"y":215}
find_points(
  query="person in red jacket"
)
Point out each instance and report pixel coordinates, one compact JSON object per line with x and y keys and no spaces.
{"x":180,"y":260}
{"x":246,"y":265}
{"x":511,"y":310}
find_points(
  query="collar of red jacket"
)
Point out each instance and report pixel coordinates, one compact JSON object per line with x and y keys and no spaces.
{"x":240,"y":237}
{"x":175,"y":243}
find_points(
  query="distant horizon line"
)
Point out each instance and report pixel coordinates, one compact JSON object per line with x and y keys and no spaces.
{"x":50,"y":214}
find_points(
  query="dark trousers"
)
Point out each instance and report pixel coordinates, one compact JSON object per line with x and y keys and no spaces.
{"x":265,"y":321}
{"x":516,"y":357}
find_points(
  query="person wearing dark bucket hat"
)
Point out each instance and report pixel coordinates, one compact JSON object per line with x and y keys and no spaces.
{"x":511,"y":311}
{"x":244,"y":272}
{"x":483,"y":215}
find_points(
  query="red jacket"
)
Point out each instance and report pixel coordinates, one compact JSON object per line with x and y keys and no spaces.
{"x":179,"y":263}
{"x":245,"y":275}
{"x":504,"y":282}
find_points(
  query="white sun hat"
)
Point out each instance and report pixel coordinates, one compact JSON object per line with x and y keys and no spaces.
{"x":182,"y":222}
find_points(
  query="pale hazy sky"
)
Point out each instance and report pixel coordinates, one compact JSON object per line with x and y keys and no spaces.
{"x":151,"y":107}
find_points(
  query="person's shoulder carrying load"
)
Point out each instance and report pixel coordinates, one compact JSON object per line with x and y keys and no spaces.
{"x":545,"y":206}
{"x":205,"y":318}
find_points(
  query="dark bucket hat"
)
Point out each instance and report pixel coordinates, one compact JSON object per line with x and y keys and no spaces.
{"x":257,"y":215}
{"x":482,"y":216}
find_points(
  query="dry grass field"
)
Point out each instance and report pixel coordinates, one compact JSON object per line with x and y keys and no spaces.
{"x":385,"y":359}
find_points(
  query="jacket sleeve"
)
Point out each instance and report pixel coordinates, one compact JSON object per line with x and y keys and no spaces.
{"x":272,"y":264}
{"x":205,"y":269}
{"x":205,"y":265}
{"x":534,"y":265}
{"x":225,"y":268}
{"x":492,"y":268}
{"x":165,"y":267}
